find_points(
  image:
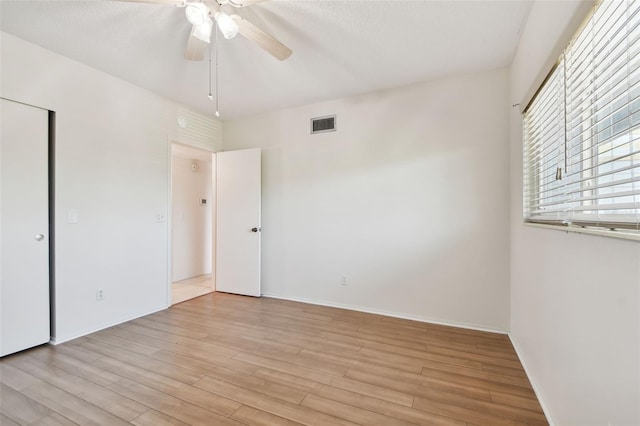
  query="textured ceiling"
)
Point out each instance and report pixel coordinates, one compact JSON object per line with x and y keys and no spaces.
{"x":340,"y":48}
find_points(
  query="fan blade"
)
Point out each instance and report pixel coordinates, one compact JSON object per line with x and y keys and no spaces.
{"x":262,"y":39}
{"x":195,"y":47}
{"x":240,"y":3}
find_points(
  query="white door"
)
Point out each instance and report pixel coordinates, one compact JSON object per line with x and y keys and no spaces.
{"x":238,"y":222}
{"x":24,"y":227}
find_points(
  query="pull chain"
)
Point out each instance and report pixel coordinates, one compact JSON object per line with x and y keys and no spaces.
{"x":217,"y":91}
{"x":210,"y":95}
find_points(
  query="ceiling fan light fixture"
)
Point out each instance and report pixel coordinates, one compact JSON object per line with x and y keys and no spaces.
{"x":197,"y":13}
{"x":203,"y":31}
{"x":227,"y":25}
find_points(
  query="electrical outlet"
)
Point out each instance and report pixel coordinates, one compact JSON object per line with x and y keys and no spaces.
{"x":343,"y":280}
{"x":159,"y":218}
{"x":99,"y":296}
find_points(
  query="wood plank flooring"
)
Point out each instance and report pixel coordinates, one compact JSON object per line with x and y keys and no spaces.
{"x":222,"y":359}
{"x":190,"y":288}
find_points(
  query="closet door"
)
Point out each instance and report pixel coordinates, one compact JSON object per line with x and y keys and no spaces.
{"x":24,"y":227}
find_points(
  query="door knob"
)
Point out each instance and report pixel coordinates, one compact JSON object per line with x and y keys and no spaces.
{"x":39,"y":237}
{"x":255,"y":229}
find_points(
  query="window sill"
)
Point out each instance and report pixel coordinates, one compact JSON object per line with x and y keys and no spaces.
{"x":591,"y":231}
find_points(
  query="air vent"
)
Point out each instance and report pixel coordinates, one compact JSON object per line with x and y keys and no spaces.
{"x":323,"y":124}
{"x":197,"y":130}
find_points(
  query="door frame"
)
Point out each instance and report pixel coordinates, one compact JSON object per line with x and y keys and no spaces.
{"x":169,"y":219}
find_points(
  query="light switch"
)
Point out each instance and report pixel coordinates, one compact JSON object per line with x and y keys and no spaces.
{"x":72,"y":216}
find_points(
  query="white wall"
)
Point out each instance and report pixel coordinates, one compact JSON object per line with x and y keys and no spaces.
{"x":192,"y":222}
{"x":575,"y":316}
{"x":408,"y":200}
{"x":111,"y":158}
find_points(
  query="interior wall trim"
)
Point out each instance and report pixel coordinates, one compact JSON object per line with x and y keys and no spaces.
{"x":534,"y":384}
{"x":389,"y":314}
{"x":60,"y":340}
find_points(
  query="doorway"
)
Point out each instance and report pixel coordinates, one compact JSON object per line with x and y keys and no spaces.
{"x":192,"y":222}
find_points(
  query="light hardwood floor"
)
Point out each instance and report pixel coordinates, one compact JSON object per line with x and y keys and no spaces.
{"x":190,"y":288}
{"x":222,"y":359}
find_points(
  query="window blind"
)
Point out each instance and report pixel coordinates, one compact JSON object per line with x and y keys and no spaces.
{"x":582,"y":129}
{"x":544,"y":133}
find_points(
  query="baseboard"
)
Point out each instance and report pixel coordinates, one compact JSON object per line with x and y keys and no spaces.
{"x":534,"y":385}
{"x":387,"y":313}
{"x":58,"y":341}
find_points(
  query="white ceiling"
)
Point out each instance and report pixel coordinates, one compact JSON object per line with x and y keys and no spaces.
{"x":340,"y":48}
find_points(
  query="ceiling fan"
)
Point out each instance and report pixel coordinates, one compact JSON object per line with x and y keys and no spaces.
{"x":202,"y":14}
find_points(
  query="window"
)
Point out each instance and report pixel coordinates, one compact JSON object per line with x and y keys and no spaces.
{"x":582,"y":129}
